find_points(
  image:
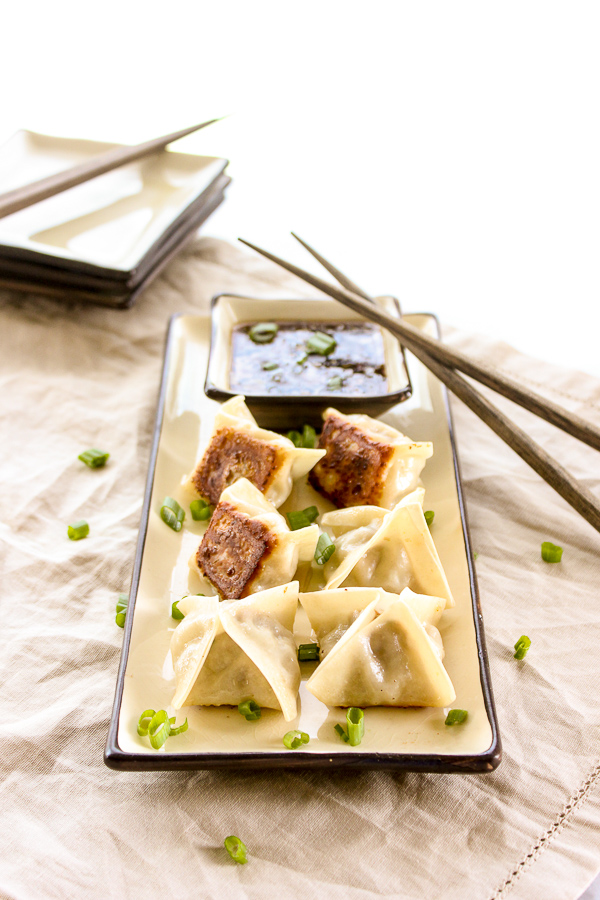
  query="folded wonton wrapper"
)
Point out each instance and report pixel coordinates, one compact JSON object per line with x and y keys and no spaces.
{"x":248,"y":545}
{"x":238,"y":448}
{"x":389,"y":549}
{"x":367,"y":461}
{"x":235,"y":650}
{"x":385,"y":658}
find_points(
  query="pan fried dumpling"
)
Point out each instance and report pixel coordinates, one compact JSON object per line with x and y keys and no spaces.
{"x":228,"y":652}
{"x":248,"y":545}
{"x":238,"y":448}
{"x":367,"y":462}
{"x":392,"y":550}
{"x":385,"y":658}
{"x":331,"y":613}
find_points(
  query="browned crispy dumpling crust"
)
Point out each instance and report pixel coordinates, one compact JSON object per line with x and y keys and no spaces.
{"x":353,"y":470}
{"x":231,"y":455}
{"x":232,"y":550}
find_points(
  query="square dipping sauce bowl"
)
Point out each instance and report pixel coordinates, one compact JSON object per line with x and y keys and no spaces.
{"x":281,"y":411}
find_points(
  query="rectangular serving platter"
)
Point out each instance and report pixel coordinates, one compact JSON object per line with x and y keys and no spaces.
{"x":404,"y":739}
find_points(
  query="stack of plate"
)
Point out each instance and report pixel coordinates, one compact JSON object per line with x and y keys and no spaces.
{"x":105,"y":240}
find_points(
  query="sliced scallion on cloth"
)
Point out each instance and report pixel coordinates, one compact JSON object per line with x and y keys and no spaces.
{"x":175,"y":611}
{"x":172,"y":514}
{"x":294,"y":739}
{"x":522,"y":646}
{"x":324,"y":550}
{"x":429,"y":517}
{"x":158,"y":727}
{"x":302,"y":518}
{"x":308,"y":652}
{"x":236,"y":849}
{"x":342,"y":733}
{"x":263,"y":332}
{"x":551,"y":553}
{"x":201,"y":510}
{"x":250,"y":710}
{"x":93,"y":458}
{"x":121,"y":610}
{"x":321,"y":343}
{"x":78,"y":530}
{"x":456,"y":717}
{"x":355,"y":719}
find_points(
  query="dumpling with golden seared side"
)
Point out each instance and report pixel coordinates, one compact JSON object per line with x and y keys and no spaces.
{"x":248,"y":545}
{"x":366,"y":462}
{"x":238,"y":448}
{"x":225,"y":653}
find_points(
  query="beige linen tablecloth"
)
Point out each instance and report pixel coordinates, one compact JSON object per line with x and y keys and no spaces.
{"x":74,"y":377}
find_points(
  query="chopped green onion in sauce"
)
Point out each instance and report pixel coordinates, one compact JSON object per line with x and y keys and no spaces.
{"x":456,"y":717}
{"x":342,"y":733}
{"x":355,"y":719}
{"x":172,"y":514}
{"x":78,"y":530}
{"x":294,"y":739}
{"x":302,"y":518}
{"x":429,"y":517}
{"x":335,"y":383}
{"x":321,"y":343}
{"x":270,"y":366}
{"x":308,"y":652}
{"x":522,"y":646}
{"x":551,"y":553}
{"x":93,"y":458}
{"x":201,"y":510}
{"x":236,"y":849}
{"x":263,"y":332}
{"x":157,"y":726}
{"x":325,"y":549}
{"x":121,"y":611}
{"x":250,"y":710}
{"x":175,"y":611}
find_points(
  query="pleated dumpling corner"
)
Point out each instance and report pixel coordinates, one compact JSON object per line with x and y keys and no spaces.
{"x":248,"y":546}
{"x":227,"y":652}
{"x":389,"y":549}
{"x":385,"y":658}
{"x":239,"y":448}
{"x":367,"y":462}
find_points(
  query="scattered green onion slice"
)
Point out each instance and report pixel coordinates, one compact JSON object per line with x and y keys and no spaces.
{"x":522,"y":646}
{"x":476,"y":556}
{"x":342,"y":733}
{"x":325,"y":549}
{"x":263,"y":332}
{"x":93,"y":458}
{"x":294,"y":739}
{"x":302,"y":518}
{"x":456,"y":717}
{"x":302,"y":359}
{"x":335,"y":383}
{"x":356,"y":725}
{"x":121,"y":610}
{"x":236,"y":849}
{"x":309,"y":437}
{"x":429,"y":517}
{"x":78,"y":530}
{"x":322,"y":343}
{"x":172,"y":514}
{"x":144,"y":722}
{"x":551,"y":553}
{"x":295,"y":437}
{"x":270,"y":366}
{"x":175,"y":611}
{"x":201,"y":510}
{"x":308,"y":652}
{"x":158,"y":727}
{"x":250,"y":710}
{"x":173,"y":732}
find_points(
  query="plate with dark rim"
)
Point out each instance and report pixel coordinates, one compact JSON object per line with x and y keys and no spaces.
{"x":218,"y":737}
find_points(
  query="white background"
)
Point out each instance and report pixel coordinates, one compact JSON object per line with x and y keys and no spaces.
{"x":444,"y":152}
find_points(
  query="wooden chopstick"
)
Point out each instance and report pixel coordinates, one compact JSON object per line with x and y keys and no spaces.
{"x":416,"y":341}
{"x":576,"y":494}
{"x":28,"y":194}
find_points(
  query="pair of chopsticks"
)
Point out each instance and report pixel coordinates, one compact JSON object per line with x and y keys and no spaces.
{"x":28,"y":194}
{"x":444,"y":363}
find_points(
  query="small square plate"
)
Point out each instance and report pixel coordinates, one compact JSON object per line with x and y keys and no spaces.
{"x":107,"y":225}
{"x":411,"y":739}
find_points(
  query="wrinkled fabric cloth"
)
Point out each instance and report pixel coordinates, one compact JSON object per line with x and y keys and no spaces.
{"x":75,"y":377}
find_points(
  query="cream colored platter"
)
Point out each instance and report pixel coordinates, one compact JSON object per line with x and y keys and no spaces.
{"x":410,"y":739}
